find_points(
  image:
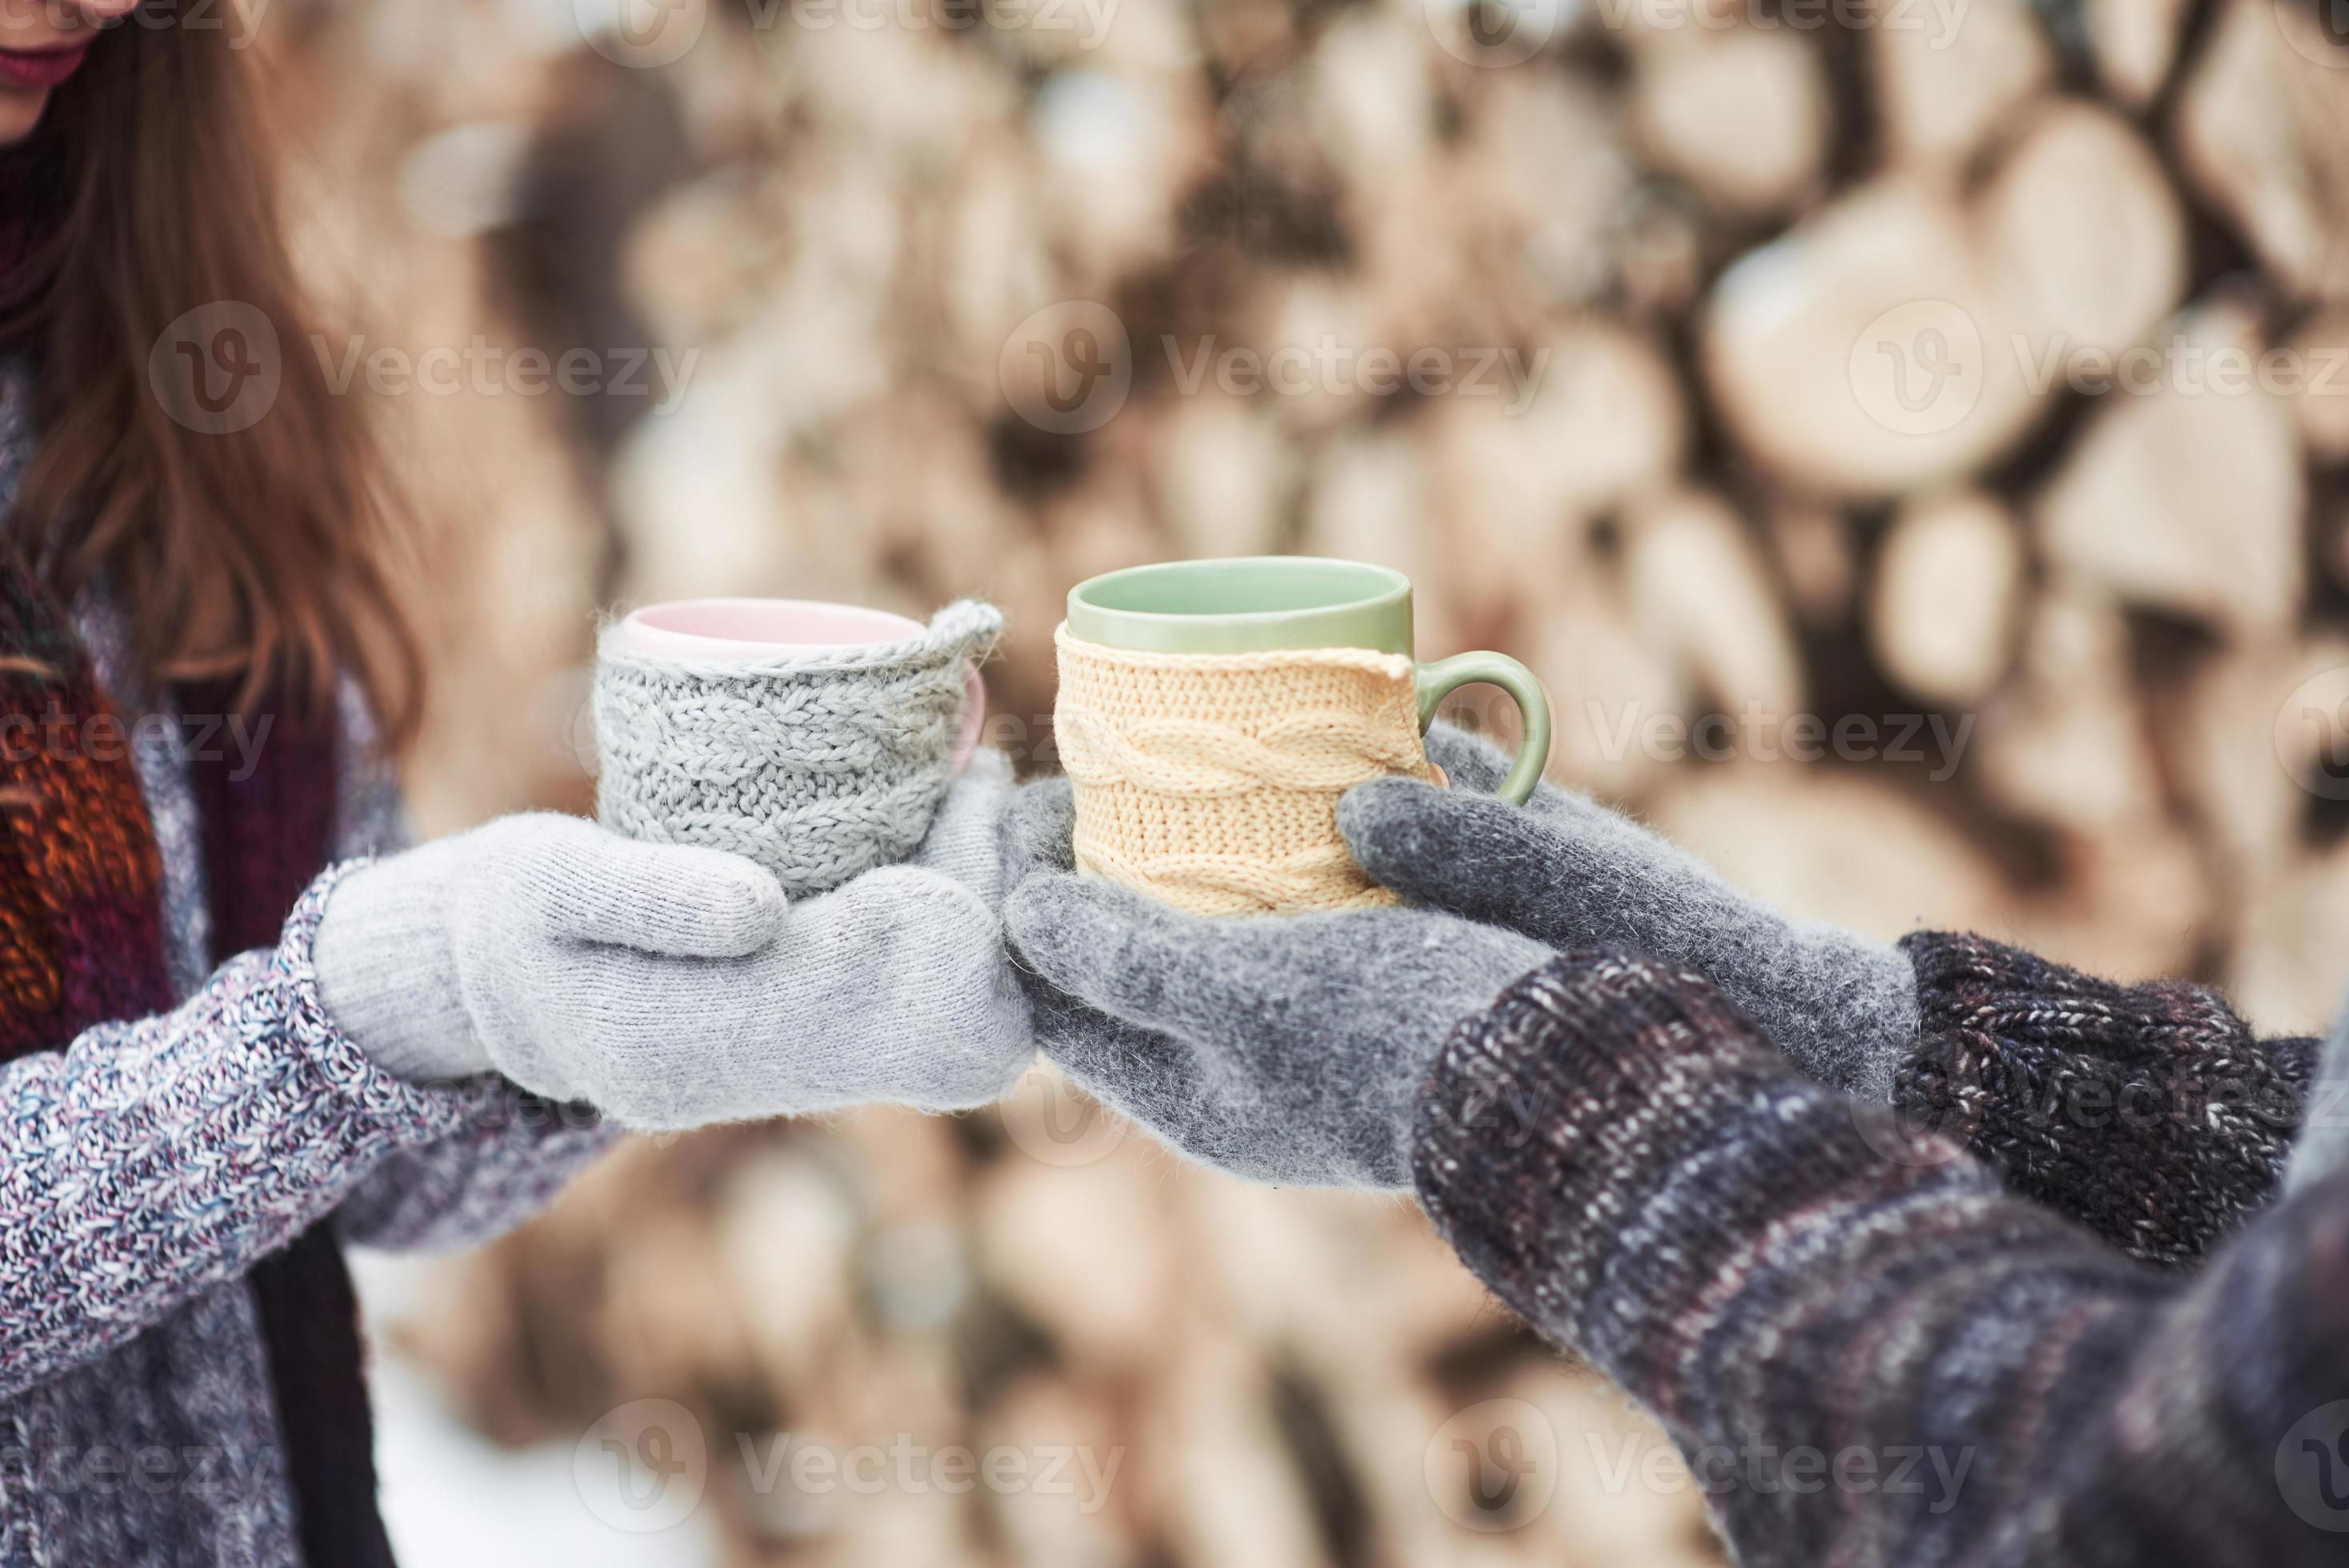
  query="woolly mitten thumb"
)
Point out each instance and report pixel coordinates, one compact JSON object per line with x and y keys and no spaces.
{"x":1570,"y":873}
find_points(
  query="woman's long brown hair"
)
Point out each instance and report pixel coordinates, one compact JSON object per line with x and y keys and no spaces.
{"x":254,"y":554}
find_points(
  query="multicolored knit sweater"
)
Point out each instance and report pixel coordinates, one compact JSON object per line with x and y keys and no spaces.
{"x":1873,"y":1349}
{"x":174,"y":1179}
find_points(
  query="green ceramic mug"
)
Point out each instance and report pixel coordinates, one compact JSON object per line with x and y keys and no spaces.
{"x":1252,"y":604}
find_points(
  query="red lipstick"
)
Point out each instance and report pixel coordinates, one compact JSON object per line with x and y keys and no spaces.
{"x":38,"y":70}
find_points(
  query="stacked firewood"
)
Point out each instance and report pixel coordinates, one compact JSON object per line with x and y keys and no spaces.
{"x":1910,"y":442}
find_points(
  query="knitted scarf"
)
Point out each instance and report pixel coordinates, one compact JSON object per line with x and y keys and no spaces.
{"x":81,"y":942}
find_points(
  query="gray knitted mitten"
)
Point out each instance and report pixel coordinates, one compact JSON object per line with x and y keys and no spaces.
{"x":818,"y":765}
{"x":1287,"y":1049}
{"x":673,"y":986}
{"x":1568,"y":873}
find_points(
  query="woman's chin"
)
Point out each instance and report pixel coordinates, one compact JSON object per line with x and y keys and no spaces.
{"x":19,"y":113}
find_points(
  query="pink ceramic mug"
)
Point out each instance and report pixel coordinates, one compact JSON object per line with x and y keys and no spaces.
{"x":722,"y":631}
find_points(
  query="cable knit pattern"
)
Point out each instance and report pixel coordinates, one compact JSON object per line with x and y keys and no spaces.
{"x":1870,"y":1354}
{"x":2149,"y":1113}
{"x":818,"y":765}
{"x":1211,"y":780}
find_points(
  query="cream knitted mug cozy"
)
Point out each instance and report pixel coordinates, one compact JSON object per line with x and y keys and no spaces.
{"x":1211,"y":780}
{"x":817,"y":763}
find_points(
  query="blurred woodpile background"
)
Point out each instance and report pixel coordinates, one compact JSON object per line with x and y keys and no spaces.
{"x":1828,"y":302}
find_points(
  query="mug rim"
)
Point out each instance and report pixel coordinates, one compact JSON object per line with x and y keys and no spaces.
{"x":641,"y":627}
{"x":1365,"y":619}
{"x":637,"y":637}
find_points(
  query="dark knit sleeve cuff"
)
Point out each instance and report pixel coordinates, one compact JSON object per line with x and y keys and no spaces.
{"x":1620,"y":1155}
{"x":2148,"y":1113}
{"x":1558,"y":1131}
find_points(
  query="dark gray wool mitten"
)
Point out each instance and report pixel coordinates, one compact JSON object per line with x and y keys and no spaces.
{"x":1570,"y":873}
{"x":1285,"y":1049}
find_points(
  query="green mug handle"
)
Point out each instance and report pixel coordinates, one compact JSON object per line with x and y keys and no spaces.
{"x":1441,"y":679}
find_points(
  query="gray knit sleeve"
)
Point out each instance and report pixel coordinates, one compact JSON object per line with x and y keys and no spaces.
{"x":152,"y":1159}
{"x":514,"y":1150}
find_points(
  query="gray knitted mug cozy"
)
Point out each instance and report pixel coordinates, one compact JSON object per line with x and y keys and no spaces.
{"x":817,"y":764}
